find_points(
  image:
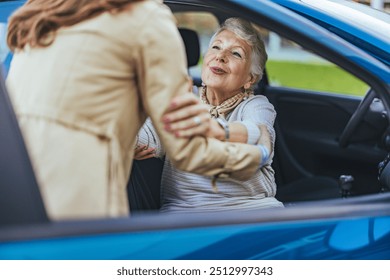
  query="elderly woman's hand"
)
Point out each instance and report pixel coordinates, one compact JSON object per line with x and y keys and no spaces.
{"x":143,"y":152}
{"x":187,"y":117}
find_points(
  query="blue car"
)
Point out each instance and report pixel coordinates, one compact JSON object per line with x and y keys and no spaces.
{"x":328,"y":77}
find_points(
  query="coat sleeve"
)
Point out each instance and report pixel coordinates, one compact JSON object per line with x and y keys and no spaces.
{"x":162,"y":74}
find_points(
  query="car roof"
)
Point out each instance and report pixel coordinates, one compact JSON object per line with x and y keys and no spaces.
{"x":358,"y":24}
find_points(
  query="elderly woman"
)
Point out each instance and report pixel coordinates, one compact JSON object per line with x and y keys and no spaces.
{"x":232,"y":65}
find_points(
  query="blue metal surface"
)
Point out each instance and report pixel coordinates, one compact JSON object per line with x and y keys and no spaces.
{"x":359,"y":238}
{"x":356,"y":23}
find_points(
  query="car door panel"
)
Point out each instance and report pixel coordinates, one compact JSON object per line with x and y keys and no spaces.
{"x":306,"y":231}
{"x":308,"y":125}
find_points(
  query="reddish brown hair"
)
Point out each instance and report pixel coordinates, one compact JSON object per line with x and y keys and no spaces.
{"x":36,"y":19}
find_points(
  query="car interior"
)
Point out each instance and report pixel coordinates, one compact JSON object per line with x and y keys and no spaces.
{"x":310,"y":161}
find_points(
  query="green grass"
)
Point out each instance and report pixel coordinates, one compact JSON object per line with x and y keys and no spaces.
{"x":314,"y":76}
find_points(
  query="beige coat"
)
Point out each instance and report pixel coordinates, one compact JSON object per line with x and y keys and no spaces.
{"x":81,"y":101}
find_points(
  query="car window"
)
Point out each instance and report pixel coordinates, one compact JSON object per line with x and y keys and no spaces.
{"x":288,"y":65}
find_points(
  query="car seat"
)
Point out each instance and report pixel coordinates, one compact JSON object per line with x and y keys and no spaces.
{"x":309,"y":189}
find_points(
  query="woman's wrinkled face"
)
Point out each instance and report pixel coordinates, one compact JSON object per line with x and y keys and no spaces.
{"x":226,"y":66}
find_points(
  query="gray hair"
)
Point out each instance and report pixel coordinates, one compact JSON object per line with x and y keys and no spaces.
{"x":245,"y":31}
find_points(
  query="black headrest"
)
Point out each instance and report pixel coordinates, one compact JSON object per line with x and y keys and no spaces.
{"x":191,"y":43}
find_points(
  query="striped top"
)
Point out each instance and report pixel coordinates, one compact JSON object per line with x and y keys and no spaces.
{"x":183,"y":191}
